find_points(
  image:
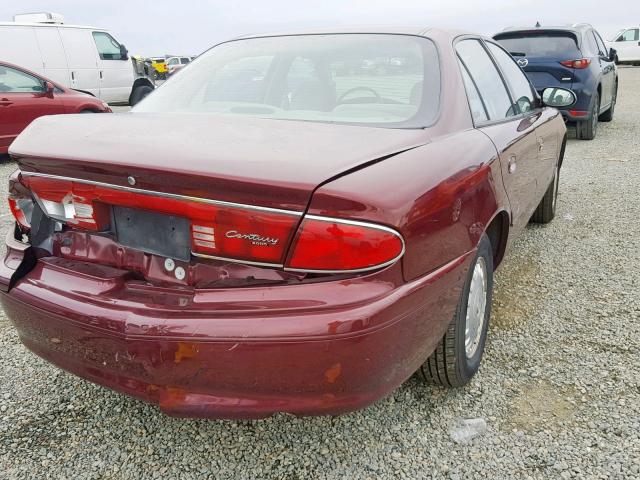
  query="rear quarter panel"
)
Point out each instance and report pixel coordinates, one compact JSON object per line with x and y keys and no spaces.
{"x":440,"y":197}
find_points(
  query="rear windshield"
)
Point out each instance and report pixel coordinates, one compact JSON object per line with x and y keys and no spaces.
{"x":372,"y":79}
{"x":537,"y":44}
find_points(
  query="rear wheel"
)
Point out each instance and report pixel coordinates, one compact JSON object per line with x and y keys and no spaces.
{"x":546,"y":210}
{"x":608,"y":115}
{"x":587,"y":129}
{"x":457,"y":358}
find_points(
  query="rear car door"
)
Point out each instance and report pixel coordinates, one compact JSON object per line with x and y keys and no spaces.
{"x":608,"y":72}
{"x":496,"y":114}
{"x":22,"y":99}
{"x":531,"y":110}
{"x":115,"y":70}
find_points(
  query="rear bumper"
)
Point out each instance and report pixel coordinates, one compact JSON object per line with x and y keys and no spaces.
{"x":323,"y":348}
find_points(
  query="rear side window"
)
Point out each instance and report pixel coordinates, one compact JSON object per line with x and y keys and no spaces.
{"x":520,"y":86}
{"x":15,"y":81}
{"x":542,"y":44}
{"x":108,"y":48}
{"x":484,"y":74}
{"x":478,"y":110}
{"x":602,"y":49}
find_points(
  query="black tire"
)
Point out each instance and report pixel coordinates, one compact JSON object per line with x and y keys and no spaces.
{"x":449,"y":365}
{"x":608,"y":115}
{"x":139,"y":93}
{"x":587,"y":129}
{"x":87,"y":111}
{"x":546,"y":210}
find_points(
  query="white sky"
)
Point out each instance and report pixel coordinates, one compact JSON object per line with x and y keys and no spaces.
{"x":188,"y":27}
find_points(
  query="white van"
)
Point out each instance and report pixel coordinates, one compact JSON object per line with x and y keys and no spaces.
{"x":79,"y":57}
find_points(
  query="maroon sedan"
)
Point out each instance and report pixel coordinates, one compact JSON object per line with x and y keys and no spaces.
{"x":308,"y":234}
{"x":25,"y":96}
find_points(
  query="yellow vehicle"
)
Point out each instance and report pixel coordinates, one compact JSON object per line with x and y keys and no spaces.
{"x":158,"y":67}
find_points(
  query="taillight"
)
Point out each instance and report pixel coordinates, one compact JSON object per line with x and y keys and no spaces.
{"x":224,"y":230}
{"x":325,"y":244}
{"x":218,"y":229}
{"x":20,"y":201}
{"x":577,"y":64}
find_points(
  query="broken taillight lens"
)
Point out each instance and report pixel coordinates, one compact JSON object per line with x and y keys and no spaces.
{"x":22,"y":209}
{"x":326,"y":244}
{"x":20,"y":201}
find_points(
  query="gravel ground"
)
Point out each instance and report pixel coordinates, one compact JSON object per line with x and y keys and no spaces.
{"x":559,"y":387}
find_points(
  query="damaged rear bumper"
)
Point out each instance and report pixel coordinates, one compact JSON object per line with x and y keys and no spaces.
{"x":307,"y":349}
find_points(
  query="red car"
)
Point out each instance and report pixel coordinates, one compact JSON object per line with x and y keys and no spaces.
{"x":25,"y":96}
{"x":305,"y":237}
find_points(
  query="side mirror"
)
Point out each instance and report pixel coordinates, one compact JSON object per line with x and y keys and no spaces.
{"x":49,"y":88}
{"x":124,"y":53}
{"x":613,"y":53}
{"x":558,"y":97}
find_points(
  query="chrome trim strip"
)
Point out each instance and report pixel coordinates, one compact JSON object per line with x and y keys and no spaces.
{"x":235,"y":260}
{"x":361,"y":224}
{"x":166,"y":195}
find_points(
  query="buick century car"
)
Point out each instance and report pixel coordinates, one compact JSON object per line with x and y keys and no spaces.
{"x":281,"y":228}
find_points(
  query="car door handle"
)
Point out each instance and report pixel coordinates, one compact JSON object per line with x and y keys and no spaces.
{"x":5,"y":102}
{"x":512,"y":164}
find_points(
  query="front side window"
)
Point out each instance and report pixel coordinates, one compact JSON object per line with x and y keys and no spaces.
{"x":516,"y":78}
{"x":630,"y":35}
{"x":16,"y":81}
{"x":484,"y":74}
{"x":108,"y":48}
{"x":373,"y":79}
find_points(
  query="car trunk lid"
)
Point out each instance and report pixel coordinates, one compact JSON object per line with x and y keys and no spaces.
{"x":253,"y":161}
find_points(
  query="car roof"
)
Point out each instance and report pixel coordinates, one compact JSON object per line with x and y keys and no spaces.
{"x":371,"y":29}
{"x":59,"y":25}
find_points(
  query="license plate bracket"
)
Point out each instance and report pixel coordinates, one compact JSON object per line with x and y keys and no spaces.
{"x":151,"y":232}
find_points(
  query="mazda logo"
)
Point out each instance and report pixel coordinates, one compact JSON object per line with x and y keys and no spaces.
{"x":523,"y":62}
